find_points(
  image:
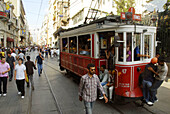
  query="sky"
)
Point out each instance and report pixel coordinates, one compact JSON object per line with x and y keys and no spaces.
{"x":32,"y":8}
{"x":156,"y":4}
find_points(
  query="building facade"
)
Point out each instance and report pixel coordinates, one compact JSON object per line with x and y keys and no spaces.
{"x":8,"y":22}
{"x":23,"y":31}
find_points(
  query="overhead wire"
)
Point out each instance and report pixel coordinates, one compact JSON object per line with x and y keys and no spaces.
{"x":39,"y":12}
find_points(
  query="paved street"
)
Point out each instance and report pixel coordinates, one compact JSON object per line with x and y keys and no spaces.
{"x":65,"y":90}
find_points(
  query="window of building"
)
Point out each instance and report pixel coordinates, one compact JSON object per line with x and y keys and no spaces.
{"x":129,"y":47}
{"x":137,"y":47}
{"x":64,"y":45}
{"x":73,"y":45}
{"x":84,"y":46}
{"x":9,"y":27}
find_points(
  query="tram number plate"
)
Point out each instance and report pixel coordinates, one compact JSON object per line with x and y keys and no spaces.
{"x":123,"y":84}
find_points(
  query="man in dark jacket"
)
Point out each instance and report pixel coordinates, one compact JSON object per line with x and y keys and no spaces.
{"x":148,"y":79}
{"x":11,"y":61}
{"x":29,"y":69}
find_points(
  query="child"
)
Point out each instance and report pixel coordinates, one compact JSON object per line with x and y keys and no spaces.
{"x":20,"y":76}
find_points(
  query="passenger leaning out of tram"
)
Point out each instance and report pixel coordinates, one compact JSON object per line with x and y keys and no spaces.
{"x":137,"y":54}
{"x":104,"y":76}
{"x":110,"y":55}
{"x":162,"y":73}
{"x":148,"y":79}
{"x":110,"y":85}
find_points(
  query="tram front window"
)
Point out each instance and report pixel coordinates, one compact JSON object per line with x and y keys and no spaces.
{"x":84,"y":46}
{"x":137,"y":42}
{"x":64,"y":45}
{"x":120,"y":56}
{"x":73,"y":45}
{"x":129,"y":47}
{"x":147,"y":46}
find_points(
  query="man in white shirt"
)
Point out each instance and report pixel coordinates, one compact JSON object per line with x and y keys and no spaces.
{"x":14,"y":55}
{"x":52,"y":53}
{"x":104,"y":76}
{"x":21,"y":55}
{"x":20,"y":76}
{"x":162,"y":73}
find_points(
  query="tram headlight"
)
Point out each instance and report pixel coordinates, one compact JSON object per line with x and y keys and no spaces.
{"x":138,"y":69}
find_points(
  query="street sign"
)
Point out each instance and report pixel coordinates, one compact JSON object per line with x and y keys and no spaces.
{"x":3,"y":14}
{"x":128,"y":15}
{"x":137,"y":17}
{"x":123,"y":17}
{"x":132,"y":9}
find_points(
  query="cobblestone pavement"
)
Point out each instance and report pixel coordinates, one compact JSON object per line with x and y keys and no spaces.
{"x":65,"y":91}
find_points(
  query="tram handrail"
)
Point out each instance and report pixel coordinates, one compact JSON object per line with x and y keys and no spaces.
{"x":117,"y":77}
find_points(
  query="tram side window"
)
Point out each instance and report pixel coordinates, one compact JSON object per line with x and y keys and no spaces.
{"x":64,"y":45}
{"x":120,"y":57}
{"x":73,"y":45}
{"x":137,"y":47}
{"x":84,"y":46}
{"x":147,"y":46}
{"x":129,"y":47}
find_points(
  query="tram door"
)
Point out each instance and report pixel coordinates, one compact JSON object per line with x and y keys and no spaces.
{"x":106,"y":40}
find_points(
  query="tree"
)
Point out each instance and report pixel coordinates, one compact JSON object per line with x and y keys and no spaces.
{"x":123,"y":5}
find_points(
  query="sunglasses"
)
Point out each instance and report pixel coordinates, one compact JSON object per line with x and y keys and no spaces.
{"x":92,"y":69}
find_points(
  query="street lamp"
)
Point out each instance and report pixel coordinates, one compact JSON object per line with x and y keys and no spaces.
{"x":154,"y":18}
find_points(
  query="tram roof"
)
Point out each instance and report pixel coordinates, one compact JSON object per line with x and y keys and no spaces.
{"x":113,"y":19}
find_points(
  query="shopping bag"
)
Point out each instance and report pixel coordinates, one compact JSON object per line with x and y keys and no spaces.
{"x":27,"y":80}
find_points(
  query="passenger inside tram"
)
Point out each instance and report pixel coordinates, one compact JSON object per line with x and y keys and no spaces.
{"x":110,"y":55}
{"x":84,"y":47}
{"x":73,"y":46}
{"x":64,"y":45}
{"x":110,"y":85}
{"x":128,"y":54}
{"x":85,"y":50}
{"x":137,"y":53}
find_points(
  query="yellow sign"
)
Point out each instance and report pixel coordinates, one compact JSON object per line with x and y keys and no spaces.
{"x":8,"y":5}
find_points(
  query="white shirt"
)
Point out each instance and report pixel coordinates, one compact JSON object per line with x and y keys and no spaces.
{"x":57,"y":51}
{"x":52,"y":51}
{"x":14,"y":55}
{"x":21,"y":55}
{"x":162,"y":72}
{"x":20,"y":75}
{"x":104,"y":76}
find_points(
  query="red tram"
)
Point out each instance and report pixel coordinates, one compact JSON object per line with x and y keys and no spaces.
{"x":86,"y":44}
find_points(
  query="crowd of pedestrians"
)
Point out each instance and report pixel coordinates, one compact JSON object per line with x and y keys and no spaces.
{"x":22,"y":71}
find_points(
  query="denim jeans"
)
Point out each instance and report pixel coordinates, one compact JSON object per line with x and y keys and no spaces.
{"x":39,"y":68}
{"x":103,"y":84}
{"x":146,"y":86}
{"x":88,"y":107}
{"x":11,"y":73}
{"x":153,"y":89}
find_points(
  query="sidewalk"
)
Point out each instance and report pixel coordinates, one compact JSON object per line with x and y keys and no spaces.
{"x":39,"y":101}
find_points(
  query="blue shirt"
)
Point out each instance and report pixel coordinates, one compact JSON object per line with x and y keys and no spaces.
{"x":39,"y":59}
{"x":136,"y":52}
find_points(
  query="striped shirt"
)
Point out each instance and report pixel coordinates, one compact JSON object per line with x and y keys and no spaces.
{"x":88,"y":87}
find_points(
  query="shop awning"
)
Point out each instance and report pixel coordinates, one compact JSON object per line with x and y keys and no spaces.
{"x":10,"y":39}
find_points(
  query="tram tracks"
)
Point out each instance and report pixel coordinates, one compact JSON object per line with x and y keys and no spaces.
{"x":51,"y":65}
